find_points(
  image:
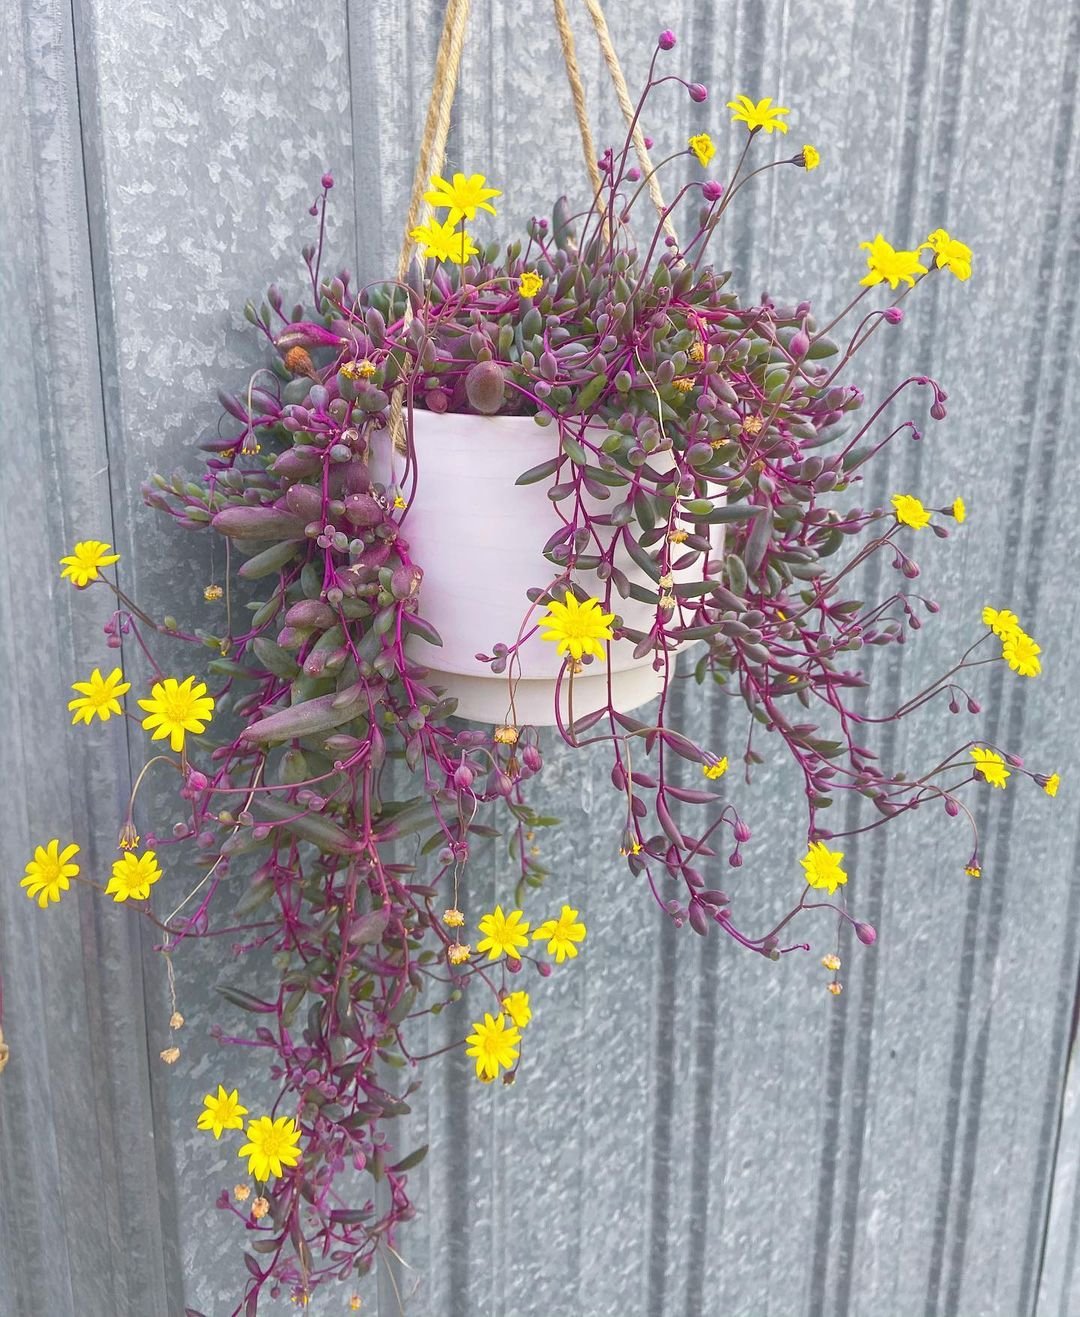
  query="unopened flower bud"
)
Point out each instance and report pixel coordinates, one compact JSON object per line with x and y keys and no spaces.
{"x":667,"y":40}
{"x":866,"y":933}
{"x":974,"y":706}
{"x":711,"y":190}
{"x":800,"y":344}
{"x":893,"y":315}
{"x":952,"y":807}
{"x":544,"y":969}
{"x":938,"y":412}
{"x":698,"y":92}
{"x":735,"y":859}
{"x":197,"y":781}
{"x":532,"y":758}
{"x":463,"y":777}
{"x":328,"y":181}
{"x":741,"y":832}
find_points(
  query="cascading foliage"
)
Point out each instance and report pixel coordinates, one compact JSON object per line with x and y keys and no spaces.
{"x":331,"y":796}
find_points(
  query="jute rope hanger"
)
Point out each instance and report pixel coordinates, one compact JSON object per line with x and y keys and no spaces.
{"x":432,"y":153}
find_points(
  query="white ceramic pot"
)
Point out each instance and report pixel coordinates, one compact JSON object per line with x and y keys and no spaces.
{"x":478,"y":538}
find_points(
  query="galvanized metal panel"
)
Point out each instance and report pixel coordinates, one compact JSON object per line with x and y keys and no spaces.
{"x":693,"y":1132}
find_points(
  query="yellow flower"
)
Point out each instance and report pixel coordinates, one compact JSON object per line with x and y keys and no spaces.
{"x":358,"y":370}
{"x":973,"y":871}
{"x":212,"y":593}
{"x":453,"y":918}
{"x":831,"y":962}
{"x":529,"y":284}
{"x":457,"y":953}
{"x":271,"y":1145}
{"x":949,"y":254}
{"x":990,"y":766}
{"x":762,"y":115}
{"x":910,"y":512}
{"x":84,"y":563}
{"x":48,"y":872}
{"x":577,"y":628}
{"x":516,"y":1005}
{"x":886,"y":264}
{"x":175,"y":708}
{"x":811,"y":157}
{"x":823,"y":867}
{"x":1019,"y":652}
{"x":132,"y":878}
{"x":835,"y":988}
{"x":701,"y":144}
{"x":1000,"y":621}
{"x":715,"y":770}
{"x":399,"y":503}
{"x":222,"y":1113}
{"x":462,"y":197}
{"x":100,"y":695}
{"x":506,"y":735}
{"x":505,"y":934}
{"x":561,"y":934}
{"x":1050,"y":786}
{"x":959,"y":511}
{"x":443,"y":242}
{"x":129,"y":838}
{"x":494,"y":1044}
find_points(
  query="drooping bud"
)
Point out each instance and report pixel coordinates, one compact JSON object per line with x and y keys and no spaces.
{"x":893,"y":314}
{"x":698,"y":92}
{"x":866,"y":933}
{"x":666,"y":40}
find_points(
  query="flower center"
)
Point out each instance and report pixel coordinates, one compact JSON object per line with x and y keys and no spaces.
{"x":178,"y":705}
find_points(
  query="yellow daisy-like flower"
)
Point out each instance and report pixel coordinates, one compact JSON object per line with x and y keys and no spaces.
{"x":910,"y":512}
{"x":959,"y":510}
{"x":810,"y":157}
{"x":949,"y":254}
{"x":175,"y":708}
{"x":990,"y":766}
{"x":494,"y":1044}
{"x":529,"y":284}
{"x":85,"y":562}
{"x":443,"y":242}
{"x":973,"y":871}
{"x":715,"y":770}
{"x":561,"y":934}
{"x":823,"y":867}
{"x":271,"y":1145}
{"x":222,"y":1113}
{"x":132,"y":878}
{"x":1050,"y":786}
{"x":1020,"y":652}
{"x":760,"y":114}
{"x":577,"y":628}
{"x":462,"y":197}
{"x":1001,"y":621}
{"x":516,"y":1005}
{"x":887,"y":264}
{"x":701,"y":144}
{"x":47,"y":874}
{"x":505,"y":934}
{"x":98,"y":696}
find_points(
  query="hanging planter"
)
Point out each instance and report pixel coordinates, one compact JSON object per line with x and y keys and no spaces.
{"x":527,"y":453}
{"x":480,"y":536}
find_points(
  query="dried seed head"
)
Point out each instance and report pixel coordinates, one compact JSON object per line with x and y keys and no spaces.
{"x":259,"y":1208}
{"x":170,"y":1055}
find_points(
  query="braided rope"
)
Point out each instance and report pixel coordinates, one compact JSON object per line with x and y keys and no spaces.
{"x":627,"y":107}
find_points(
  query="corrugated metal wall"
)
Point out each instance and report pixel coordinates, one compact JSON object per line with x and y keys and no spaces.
{"x":694,"y":1131}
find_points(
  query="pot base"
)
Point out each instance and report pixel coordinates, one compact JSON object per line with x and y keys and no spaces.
{"x":487,"y":699}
